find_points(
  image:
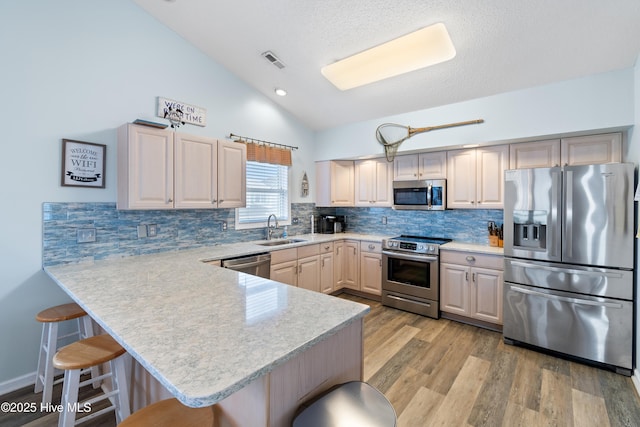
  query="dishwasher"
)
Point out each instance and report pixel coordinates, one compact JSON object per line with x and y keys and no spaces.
{"x":257,"y":265}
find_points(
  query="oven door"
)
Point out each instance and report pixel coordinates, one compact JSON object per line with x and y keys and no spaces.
{"x":410,"y":274}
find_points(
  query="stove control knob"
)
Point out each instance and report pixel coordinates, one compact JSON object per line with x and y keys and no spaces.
{"x":432,"y":248}
{"x":420,"y":247}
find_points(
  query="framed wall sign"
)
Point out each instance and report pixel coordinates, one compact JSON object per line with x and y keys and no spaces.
{"x":83,"y":164}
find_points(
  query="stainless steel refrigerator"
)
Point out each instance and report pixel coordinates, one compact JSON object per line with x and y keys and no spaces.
{"x":569,"y":260}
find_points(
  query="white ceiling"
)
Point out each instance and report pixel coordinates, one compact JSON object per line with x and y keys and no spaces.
{"x":502,"y":45}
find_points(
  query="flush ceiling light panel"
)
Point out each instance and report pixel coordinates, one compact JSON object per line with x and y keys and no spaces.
{"x":428,"y":46}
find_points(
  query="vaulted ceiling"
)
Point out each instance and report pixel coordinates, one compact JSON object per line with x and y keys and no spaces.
{"x":501,"y":45}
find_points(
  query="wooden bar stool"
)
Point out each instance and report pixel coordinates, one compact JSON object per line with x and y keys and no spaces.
{"x":50,"y":319}
{"x":87,"y":353}
{"x":171,"y":413}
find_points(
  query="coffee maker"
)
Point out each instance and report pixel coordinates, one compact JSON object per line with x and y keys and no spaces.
{"x":329,"y":224}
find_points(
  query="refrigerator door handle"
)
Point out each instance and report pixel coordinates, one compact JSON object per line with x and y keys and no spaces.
{"x":554,"y":223}
{"x":610,"y":274}
{"x":568,"y":214}
{"x":566,"y":299}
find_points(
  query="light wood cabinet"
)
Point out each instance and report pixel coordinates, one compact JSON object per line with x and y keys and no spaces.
{"x":371,"y":268}
{"x":232,"y":172}
{"x":591,"y":149}
{"x":145,"y":168}
{"x":309,"y":273}
{"x":327,"y":267}
{"x":284,"y":266}
{"x":432,"y":165}
{"x":335,"y":183}
{"x":373,"y":183}
{"x":471,"y":285}
{"x":338,"y":265}
{"x":475,"y":177}
{"x":536,"y":154}
{"x":351,"y":264}
{"x":159,"y":169}
{"x":297,"y":267}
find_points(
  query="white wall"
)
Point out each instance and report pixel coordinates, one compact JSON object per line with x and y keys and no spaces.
{"x":78,"y":70}
{"x":594,"y":102}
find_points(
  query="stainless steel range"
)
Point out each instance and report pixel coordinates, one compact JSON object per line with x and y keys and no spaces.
{"x":410,"y":274}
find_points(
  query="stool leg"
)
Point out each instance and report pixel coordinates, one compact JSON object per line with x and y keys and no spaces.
{"x":69,"y":398}
{"x":122,"y":408}
{"x":42,"y":359}
{"x":85,"y":327}
{"x":52,"y":344}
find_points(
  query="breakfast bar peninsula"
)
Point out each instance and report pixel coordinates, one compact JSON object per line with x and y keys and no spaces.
{"x":208,"y":335}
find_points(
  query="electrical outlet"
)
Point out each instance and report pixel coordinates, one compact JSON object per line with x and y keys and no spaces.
{"x":142,"y":231}
{"x":384,"y":220}
{"x":152,"y":230}
{"x":223,"y":226}
{"x":85,"y":235}
{"x":295,"y":220}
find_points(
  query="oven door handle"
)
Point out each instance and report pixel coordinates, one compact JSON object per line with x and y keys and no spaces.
{"x":426,"y":304}
{"x":410,"y":257}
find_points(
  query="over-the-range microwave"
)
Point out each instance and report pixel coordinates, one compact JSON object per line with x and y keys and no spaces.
{"x":426,"y":194}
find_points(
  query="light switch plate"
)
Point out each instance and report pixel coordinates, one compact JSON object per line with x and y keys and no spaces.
{"x":85,"y":235}
{"x":142,"y":231}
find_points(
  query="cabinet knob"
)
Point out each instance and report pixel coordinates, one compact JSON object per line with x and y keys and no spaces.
{"x":326,"y":248}
{"x":214,"y":201}
{"x":170,"y":200}
{"x":470,"y":258}
{"x":221,"y":201}
{"x":372,"y":247}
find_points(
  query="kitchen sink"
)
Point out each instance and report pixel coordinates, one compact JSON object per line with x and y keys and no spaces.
{"x":281,"y":242}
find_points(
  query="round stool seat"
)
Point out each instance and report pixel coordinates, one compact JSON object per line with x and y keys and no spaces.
{"x":60,"y":313}
{"x":355,"y":401}
{"x":88,"y":352}
{"x":170,"y":413}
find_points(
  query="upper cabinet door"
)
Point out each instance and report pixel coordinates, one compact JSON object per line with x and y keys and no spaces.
{"x":232,"y":173}
{"x":491,"y":162}
{"x":475,"y":177}
{"x":537,"y":154}
{"x":405,"y":168}
{"x":461,"y":179}
{"x":432,"y":165}
{"x":145,"y":168}
{"x":592,"y":149}
{"x":383,"y":188}
{"x":373,"y":183}
{"x":410,"y":167}
{"x":196,"y":163}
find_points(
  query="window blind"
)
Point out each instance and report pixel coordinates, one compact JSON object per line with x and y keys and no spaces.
{"x":267,"y":193}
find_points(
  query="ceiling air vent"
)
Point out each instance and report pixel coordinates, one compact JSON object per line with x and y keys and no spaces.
{"x":269,"y":56}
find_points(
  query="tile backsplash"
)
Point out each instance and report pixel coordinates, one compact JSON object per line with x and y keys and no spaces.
{"x":117,"y":232}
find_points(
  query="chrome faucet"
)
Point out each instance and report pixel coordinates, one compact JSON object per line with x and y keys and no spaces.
{"x":270,"y":230}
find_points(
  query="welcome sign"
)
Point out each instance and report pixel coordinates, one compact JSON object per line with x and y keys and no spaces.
{"x":190,"y":113}
{"x":83,"y":164}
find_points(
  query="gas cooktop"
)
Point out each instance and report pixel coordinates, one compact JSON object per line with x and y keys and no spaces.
{"x":415,"y":244}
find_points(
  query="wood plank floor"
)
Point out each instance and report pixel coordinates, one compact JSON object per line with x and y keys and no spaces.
{"x":445,"y":373}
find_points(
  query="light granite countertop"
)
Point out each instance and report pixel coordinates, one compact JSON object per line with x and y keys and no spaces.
{"x":203,"y":331}
{"x":472,"y":247}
